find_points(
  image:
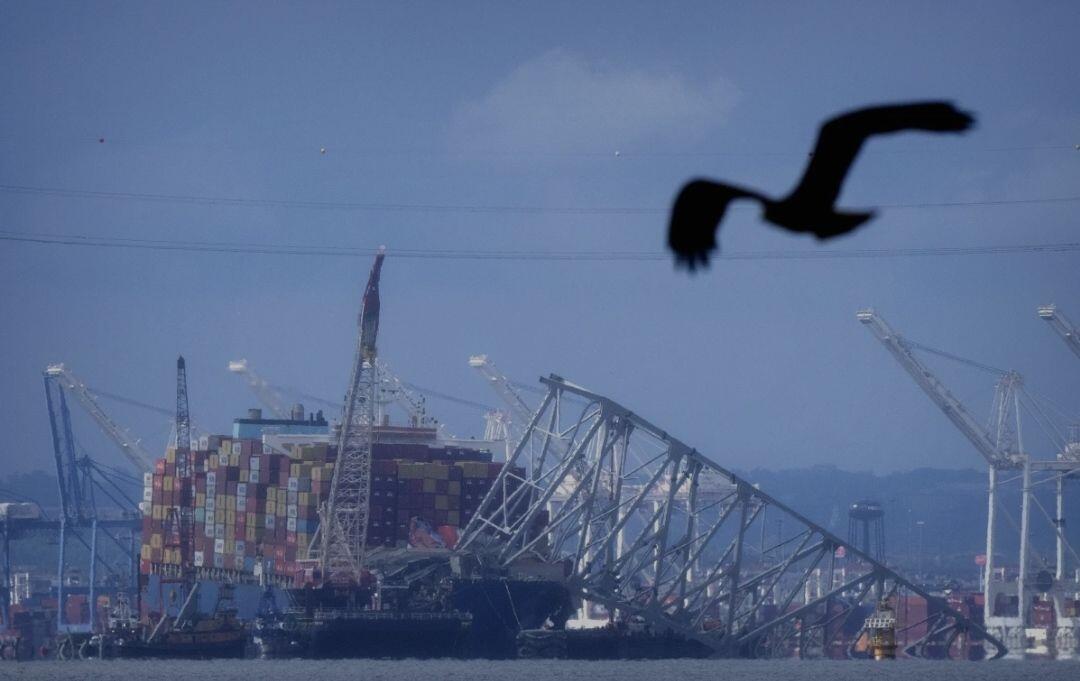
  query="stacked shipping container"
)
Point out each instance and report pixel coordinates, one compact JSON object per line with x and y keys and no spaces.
{"x":258,"y":510}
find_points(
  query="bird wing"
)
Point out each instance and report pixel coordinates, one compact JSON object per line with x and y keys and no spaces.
{"x":841,"y":138}
{"x":695,"y":219}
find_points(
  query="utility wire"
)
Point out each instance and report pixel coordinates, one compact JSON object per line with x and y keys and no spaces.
{"x":325,"y":147}
{"x":134,"y":403}
{"x":522,"y":255}
{"x":392,"y":206}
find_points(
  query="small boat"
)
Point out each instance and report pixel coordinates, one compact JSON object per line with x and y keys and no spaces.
{"x":189,"y":634}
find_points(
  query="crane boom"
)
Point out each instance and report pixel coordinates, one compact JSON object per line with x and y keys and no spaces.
{"x":520,"y":411}
{"x":344,"y":518}
{"x":1069,"y":333}
{"x":265,"y":393}
{"x":994,"y":449}
{"x":183,"y":519}
{"x":129,"y":445}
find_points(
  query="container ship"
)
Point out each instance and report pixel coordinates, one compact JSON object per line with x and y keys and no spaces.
{"x":257,"y":494}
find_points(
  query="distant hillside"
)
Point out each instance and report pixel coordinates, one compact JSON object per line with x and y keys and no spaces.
{"x":951,"y":503}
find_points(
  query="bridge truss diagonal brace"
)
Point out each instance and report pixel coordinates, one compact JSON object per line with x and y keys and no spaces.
{"x":648,"y":526}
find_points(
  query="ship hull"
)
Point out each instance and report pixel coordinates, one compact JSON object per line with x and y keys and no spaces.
{"x":366,"y":634}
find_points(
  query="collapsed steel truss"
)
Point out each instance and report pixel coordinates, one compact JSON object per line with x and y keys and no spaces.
{"x":649,"y":527}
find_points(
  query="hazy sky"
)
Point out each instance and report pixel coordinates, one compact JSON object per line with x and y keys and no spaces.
{"x":424,"y":106}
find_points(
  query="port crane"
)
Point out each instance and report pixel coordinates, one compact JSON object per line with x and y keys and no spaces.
{"x":79,"y":481}
{"x":1001,"y":447}
{"x":520,"y":411}
{"x":684,"y":564}
{"x":342,"y":536}
{"x":391,"y":390}
{"x":129,"y":445}
{"x":265,"y":392}
{"x":1062,"y":326}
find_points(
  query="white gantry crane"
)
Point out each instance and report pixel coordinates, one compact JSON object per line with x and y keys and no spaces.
{"x":1001,"y":446}
{"x":342,"y":536}
{"x":265,"y":392}
{"x":129,"y":445}
{"x":1069,"y":333}
{"x":393,"y":390}
{"x":520,"y":411}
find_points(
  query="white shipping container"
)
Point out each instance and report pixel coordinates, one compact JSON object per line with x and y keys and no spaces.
{"x":223,"y":459}
{"x":211,"y":478}
{"x":241,"y":489}
{"x":254,"y":463}
{"x":148,"y":479}
{"x":294,"y":484}
{"x":210,"y":503}
{"x":290,"y":524}
{"x":241,"y":504}
{"x":148,"y":495}
{"x":209,"y":531}
{"x":219,"y":531}
{"x":240,"y":548}
{"x":269,"y":522}
{"x":219,"y":546}
{"x":291,"y":511}
{"x":236,"y":448}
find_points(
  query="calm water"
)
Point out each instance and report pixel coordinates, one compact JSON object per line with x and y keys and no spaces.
{"x":437,"y":670}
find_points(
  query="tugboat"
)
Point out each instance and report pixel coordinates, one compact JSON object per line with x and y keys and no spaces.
{"x":187,"y":635}
{"x":881,"y":628}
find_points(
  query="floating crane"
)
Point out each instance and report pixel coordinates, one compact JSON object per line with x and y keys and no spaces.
{"x":343,"y":519}
{"x":184,"y":468}
{"x":1069,"y":333}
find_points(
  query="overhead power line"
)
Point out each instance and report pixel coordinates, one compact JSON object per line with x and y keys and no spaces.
{"x":519,"y":255}
{"x":393,"y":206}
{"x":328,"y":147}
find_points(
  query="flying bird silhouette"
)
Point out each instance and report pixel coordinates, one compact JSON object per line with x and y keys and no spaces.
{"x":810,"y":207}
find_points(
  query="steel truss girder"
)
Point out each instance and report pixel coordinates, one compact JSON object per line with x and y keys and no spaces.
{"x":649,"y":526}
